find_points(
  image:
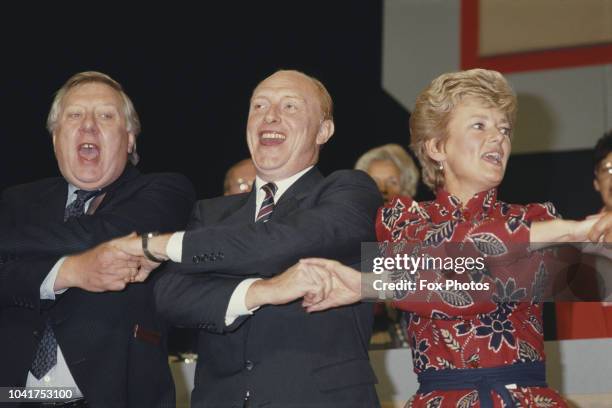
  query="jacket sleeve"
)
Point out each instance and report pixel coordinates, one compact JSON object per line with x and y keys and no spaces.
{"x":341,"y":218}
{"x":161,"y":204}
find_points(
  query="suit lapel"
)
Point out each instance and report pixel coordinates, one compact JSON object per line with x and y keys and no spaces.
{"x":301,"y":188}
{"x":128,"y":174}
{"x":243,"y":212}
{"x":51,"y":202}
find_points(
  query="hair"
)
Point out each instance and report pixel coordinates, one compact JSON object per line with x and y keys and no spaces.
{"x":87,"y":77}
{"x":325,"y":99}
{"x":602,"y":148}
{"x":435,"y":104}
{"x":396,"y":154}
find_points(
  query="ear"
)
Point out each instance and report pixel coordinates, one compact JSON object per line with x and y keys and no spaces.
{"x":326,"y":131}
{"x":596,"y":184}
{"x":131,"y":142}
{"x":435,"y":149}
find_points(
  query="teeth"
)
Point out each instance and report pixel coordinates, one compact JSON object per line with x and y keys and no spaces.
{"x":272,"y":135}
{"x":88,"y":146}
{"x":494,"y":156}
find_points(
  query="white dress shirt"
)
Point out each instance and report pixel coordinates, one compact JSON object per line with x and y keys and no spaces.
{"x":59,"y":375}
{"x":237,"y":304}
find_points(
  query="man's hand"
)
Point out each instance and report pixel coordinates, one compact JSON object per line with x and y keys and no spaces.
{"x":106,"y":267}
{"x":346,"y":284}
{"x":601,"y":230}
{"x":299,"y":281}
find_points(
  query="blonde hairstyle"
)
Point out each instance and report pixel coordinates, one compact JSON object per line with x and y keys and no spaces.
{"x":131,"y":117}
{"x":434,"y":107}
{"x":396,"y":154}
{"x":325,"y":99}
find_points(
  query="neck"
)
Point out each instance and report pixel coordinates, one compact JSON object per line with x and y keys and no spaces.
{"x":462,"y":194}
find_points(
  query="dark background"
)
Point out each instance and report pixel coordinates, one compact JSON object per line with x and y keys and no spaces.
{"x":190,"y":72}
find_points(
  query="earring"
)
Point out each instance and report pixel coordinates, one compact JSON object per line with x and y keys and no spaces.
{"x":440,"y":166}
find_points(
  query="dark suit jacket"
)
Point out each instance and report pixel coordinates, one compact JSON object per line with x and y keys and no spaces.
{"x":281,"y":355}
{"x":96,"y":331}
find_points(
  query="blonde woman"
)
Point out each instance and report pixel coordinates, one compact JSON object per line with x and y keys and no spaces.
{"x":481,"y":353}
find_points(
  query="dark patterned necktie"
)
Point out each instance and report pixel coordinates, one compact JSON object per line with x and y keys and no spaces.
{"x":46,"y":354}
{"x":267,"y":206}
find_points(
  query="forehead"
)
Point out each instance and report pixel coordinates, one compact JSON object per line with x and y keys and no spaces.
{"x":93,"y":92}
{"x":382,"y":165}
{"x":471,"y":106}
{"x":287,"y":84}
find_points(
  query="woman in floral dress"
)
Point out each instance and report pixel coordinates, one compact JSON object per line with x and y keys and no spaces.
{"x":470,"y":353}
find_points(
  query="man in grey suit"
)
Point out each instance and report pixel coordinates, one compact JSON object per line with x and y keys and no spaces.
{"x":259,"y":347}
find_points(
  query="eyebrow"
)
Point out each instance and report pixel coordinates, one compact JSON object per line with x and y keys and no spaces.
{"x":290,"y":95}
{"x":484,"y":117}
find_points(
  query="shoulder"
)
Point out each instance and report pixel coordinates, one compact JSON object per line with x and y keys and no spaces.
{"x":174,"y":179}
{"x":356,"y":177}
{"x":221,"y":203}
{"x":349,"y":181}
{"x":165,"y":183}
{"x":402,"y":212}
{"x":33,"y":188}
{"x":529,"y":212}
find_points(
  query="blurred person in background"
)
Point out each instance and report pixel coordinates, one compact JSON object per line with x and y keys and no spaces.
{"x":239,"y":178}
{"x":395,"y":174}
{"x":393,"y":170}
{"x":583,"y":320}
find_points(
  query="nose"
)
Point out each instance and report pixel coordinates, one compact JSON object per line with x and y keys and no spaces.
{"x":272,"y":115}
{"x":496,"y":135}
{"x":89,"y":124}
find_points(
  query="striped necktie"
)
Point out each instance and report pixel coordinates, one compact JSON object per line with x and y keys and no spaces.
{"x":46,"y":353}
{"x":267,"y":206}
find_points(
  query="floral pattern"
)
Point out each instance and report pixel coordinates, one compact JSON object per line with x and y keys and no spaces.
{"x":451,"y":330}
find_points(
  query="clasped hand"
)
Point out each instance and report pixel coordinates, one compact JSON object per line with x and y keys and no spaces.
{"x":110,"y":266}
{"x":322,"y":283}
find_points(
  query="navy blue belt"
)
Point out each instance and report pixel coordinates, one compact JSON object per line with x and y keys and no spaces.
{"x":485,"y":380}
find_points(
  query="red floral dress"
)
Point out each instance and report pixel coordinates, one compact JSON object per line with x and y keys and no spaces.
{"x":448,"y":332}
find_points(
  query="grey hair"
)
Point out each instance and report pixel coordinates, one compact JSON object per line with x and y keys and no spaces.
{"x":130,"y":114}
{"x":409,"y":173}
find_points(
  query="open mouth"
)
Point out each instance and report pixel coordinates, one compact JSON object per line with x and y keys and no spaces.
{"x":88,"y":151}
{"x":268,"y":138}
{"x":494,"y":158}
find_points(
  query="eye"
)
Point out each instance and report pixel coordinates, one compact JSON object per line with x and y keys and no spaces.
{"x":73,"y":115}
{"x":478,"y":125}
{"x":506,"y":131}
{"x":290,"y":106}
{"x":107,"y":115}
{"x":258,"y":105}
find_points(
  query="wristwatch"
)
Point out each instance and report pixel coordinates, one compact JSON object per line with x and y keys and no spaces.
{"x":145,"y":247}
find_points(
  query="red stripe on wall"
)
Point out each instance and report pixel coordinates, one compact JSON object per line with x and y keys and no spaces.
{"x":524,"y":61}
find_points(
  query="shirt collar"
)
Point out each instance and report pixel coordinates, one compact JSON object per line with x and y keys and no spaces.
{"x":480,"y":203}
{"x":282,"y":185}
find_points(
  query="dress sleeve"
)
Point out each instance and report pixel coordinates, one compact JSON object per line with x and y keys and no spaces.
{"x":502,"y":238}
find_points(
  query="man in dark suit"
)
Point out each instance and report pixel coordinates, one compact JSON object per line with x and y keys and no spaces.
{"x":75,"y":312}
{"x":260,"y":348}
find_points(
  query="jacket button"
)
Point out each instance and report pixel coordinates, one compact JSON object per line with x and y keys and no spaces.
{"x":249,"y":365}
